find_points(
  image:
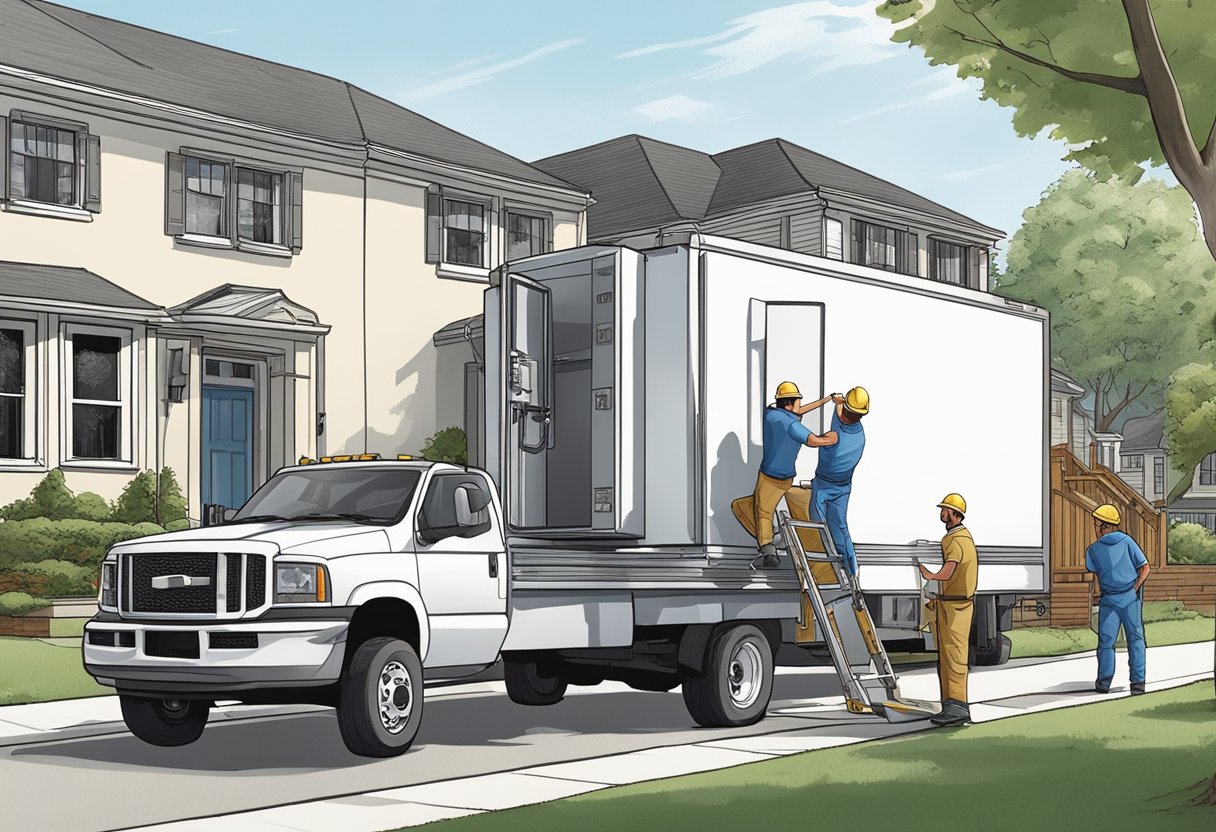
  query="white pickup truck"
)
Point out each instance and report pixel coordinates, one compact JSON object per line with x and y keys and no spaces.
{"x":618,"y":412}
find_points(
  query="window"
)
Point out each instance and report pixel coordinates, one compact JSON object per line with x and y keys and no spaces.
{"x":259,"y":206}
{"x":1133,"y":462}
{"x":16,"y":389}
{"x":52,"y":163}
{"x":882,"y":247}
{"x":99,"y":378}
{"x":1207,"y":470}
{"x":948,"y":262}
{"x":440,"y":516}
{"x":464,"y":232}
{"x":231,"y":204}
{"x":833,"y":239}
{"x":206,"y":207}
{"x":527,"y":235}
{"x":1159,"y":475}
{"x":1057,"y":407}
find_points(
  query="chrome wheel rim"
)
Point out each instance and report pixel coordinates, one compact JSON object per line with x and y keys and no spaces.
{"x":396,"y":697}
{"x":745,"y":675}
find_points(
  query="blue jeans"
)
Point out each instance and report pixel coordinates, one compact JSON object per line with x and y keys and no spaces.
{"x":1115,"y":610}
{"x":830,"y":506}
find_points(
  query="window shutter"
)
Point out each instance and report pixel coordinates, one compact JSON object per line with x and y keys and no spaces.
{"x":857,"y":242}
{"x":295,"y":190}
{"x":175,"y":194}
{"x":548,"y":221}
{"x":4,"y":163}
{"x":434,"y":224}
{"x":92,"y":174}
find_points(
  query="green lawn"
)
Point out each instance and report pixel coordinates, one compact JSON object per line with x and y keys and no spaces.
{"x":1165,"y":622}
{"x":1143,"y":763}
{"x":32,"y":670}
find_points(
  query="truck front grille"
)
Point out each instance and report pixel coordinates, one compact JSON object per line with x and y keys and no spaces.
{"x":243,"y":589}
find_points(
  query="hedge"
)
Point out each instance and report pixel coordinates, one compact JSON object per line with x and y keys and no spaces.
{"x":1191,"y":543}
{"x":20,"y":603}
{"x":82,"y":542}
{"x":51,"y":499}
{"x":50,"y":579}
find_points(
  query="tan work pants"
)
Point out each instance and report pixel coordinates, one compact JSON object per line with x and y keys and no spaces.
{"x":952,"y":631}
{"x":756,"y":512}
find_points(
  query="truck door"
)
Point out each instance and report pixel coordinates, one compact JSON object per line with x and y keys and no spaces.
{"x":462,"y":570}
{"x":529,"y":391}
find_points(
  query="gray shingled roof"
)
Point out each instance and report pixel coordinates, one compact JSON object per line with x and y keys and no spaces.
{"x":641,"y":183}
{"x":59,"y":283}
{"x":1144,"y":433}
{"x":74,"y":45}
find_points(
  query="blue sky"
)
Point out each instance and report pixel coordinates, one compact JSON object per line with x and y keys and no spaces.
{"x":536,"y":77}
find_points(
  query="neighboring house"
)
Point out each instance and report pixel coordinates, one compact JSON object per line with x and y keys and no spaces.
{"x":778,"y":194}
{"x":1069,"y":424}
{"x":1142,"y":459}
{"x":217,"y":263}
{"x":1197,"y":501}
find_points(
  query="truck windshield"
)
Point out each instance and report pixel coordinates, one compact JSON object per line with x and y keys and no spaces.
{"x":372,"y":495}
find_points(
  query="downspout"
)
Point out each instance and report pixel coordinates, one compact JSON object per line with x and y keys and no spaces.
{"x":367,"y":157}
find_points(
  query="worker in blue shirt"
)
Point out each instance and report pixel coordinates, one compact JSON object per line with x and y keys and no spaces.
{"x":1121,"y":569}
{"x":833,"y":481}
{"x":784,"y":437}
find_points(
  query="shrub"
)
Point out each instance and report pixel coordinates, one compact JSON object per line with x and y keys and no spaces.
{"x":89,"y":506}
{"x":177,"y":525}
{"x":50,"y":579}
{"x":20,"y":603}
{"x":172,"y":505}
{"x":448,"y":445}
{"x":81,"y":542}
{"x":50,"y":498}
{"x":137,"y":503}
{"x":1191,"y":543}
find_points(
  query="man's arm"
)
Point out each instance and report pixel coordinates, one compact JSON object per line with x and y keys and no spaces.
{"x":1141,"y":563}
{"x":807,"y":408}
{"x":829,"y":438}
{"x":1144,"y":570}
{"x":942,"y":575}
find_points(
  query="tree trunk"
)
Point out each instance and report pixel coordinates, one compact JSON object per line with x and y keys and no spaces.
{"x":1204,"y":194}
{"x":1207,"y":795}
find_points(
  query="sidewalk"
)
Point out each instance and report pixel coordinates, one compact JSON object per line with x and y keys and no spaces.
{"x":1020,"y":687}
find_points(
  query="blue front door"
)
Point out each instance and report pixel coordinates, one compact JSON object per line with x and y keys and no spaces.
{"x":227,"y":445}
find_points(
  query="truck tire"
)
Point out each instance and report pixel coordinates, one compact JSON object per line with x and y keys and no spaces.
{"x":164,"y":722}
{"x":380,"y":698}
{"x":736,"y":682}
{"x":526,"y":685}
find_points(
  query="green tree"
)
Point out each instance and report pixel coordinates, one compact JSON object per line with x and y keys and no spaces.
{"x":448,"y":445}
{"x":1124,"y":83}
{"x":50,"y":498}
{"x":171,"y":505}
{"x":137,"y":502}
{"x":1125,"y":276}
{"x":1190,"y":416}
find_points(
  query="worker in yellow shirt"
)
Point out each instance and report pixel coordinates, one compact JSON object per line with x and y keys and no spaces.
{"x":953,"y":609}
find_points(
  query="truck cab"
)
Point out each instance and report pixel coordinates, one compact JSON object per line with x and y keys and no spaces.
{"x":345,"y":582}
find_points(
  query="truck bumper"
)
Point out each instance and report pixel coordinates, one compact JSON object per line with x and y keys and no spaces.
{"x":214,"y":657}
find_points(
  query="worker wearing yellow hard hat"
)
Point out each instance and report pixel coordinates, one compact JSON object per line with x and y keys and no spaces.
{"x":953,"y":609}
{"x":838,"y":458}
{"x":784,"y":437}
{"x":1120,"y":569}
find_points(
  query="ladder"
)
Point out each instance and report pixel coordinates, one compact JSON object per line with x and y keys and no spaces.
{"x":870,"y":684}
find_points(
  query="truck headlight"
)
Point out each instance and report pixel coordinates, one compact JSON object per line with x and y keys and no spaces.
{"x":300,"y":583}
{"x":109,"y":584}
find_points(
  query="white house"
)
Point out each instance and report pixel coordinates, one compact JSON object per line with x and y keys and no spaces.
{"x":1143,"y":463}
{"x":218,"y":264}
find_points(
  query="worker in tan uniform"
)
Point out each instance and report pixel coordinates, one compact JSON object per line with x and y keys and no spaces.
{"x":953,"y":608}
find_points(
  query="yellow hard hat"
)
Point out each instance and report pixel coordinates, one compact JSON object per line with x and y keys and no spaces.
{"x":857,"y":401}
{"x":954,"y":501}
{"x":787,"y":390}
{"x":1108,"y":514}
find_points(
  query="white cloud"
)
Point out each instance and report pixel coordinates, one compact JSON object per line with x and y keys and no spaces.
{"x":477,"y":76}
{"x":964,"y":175}
{"x":824,"y":33}
{"x":675,"y":108}
{"x":948,"y":85}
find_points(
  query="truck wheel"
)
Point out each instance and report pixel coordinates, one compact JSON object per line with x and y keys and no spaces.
{"x":736,"y":682}
{"x":526,"y":685}
{"x":380,"y":698}
{"x":164,"y":722}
